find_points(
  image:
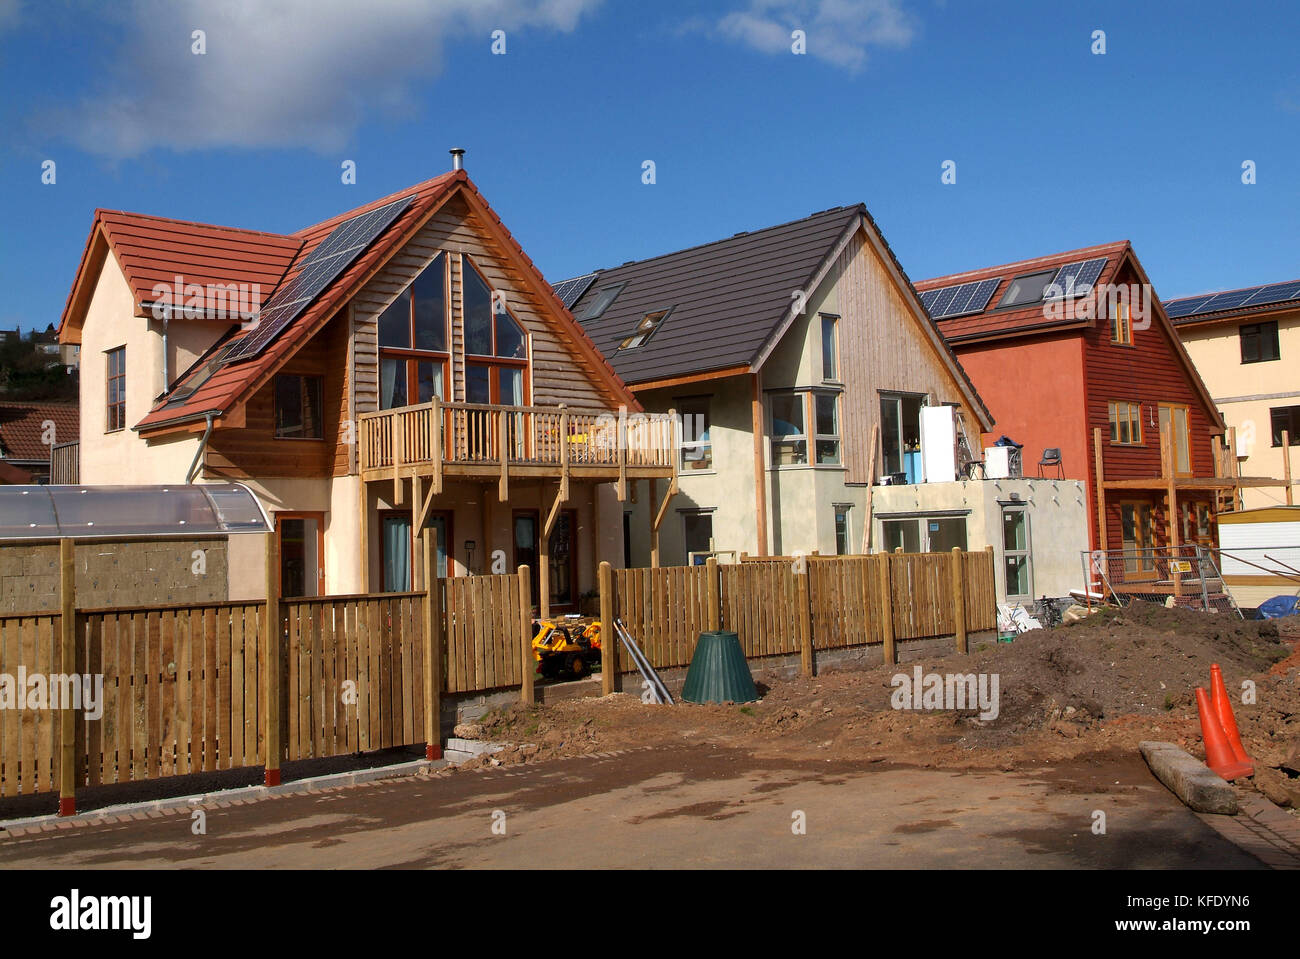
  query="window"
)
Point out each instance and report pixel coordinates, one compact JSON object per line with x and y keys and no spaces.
{"x":1259,"y":342}
{"x":413,"y":341}
{"x":934,"y":534}
{"x":789,"y":439}
{"x":1285,"y":418}
{"x":1174,"y":419}
{"x":1027,"y":289}
{"x":697,"y":447}
{"x":697,"y":535}
{"x":645,"y":329}
{"x":842,"y":545}
{"x":116,"y":380}
{"x":827,"y":421}
{"x":900,"y":437}
{"x":600,"y":302}
{"x":1137,"y":531}
{"x":901,"y":533}
{"x":496,"y":347}
{"x":298,"y":407}
{"x":1121,"y":324}
{"x":830,"y":347}
{"x":1125,"y":422}
{"x":1015,"y":554}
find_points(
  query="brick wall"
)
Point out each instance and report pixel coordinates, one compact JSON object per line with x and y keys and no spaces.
{"x":115,"y":573}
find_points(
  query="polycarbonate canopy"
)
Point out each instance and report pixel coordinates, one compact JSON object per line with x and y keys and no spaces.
{"x":50,"y":512}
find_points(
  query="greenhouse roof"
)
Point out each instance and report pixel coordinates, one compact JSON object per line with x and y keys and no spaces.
{"x":52,"y":512}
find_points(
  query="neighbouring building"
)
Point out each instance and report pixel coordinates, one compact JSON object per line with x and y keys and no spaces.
{"x":1246,"y":345}
{"x":28,"y":433}
{"x":400,"y":366}
{"x":1081,"y":365}
{"x":805,"y":375}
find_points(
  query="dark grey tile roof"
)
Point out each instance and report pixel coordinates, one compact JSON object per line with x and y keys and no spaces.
{"x":727,"y":297}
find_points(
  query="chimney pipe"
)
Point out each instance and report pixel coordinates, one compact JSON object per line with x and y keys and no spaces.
{"x":457,"y":158}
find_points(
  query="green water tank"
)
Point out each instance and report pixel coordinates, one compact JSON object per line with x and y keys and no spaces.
{"x":719,"y":672}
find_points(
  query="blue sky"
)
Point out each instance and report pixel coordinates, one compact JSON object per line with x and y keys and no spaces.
{"x":1055,"y":147}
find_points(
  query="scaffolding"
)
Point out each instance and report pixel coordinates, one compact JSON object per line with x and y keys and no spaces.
{"x":1186,"y":577}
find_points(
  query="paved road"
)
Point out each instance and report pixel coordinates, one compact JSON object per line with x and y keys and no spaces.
{"x":688,"y":806}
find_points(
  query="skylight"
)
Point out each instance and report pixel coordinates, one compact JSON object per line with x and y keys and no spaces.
{"x":600,"y":302}
{"x":645,"y":329}
{"x":1028,"y":289}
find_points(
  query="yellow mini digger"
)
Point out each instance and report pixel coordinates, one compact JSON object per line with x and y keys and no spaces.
{"x":568,"y":650}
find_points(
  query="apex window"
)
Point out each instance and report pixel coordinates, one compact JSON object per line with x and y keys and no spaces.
{"x":413,"y":337}
{"x":830,"y":347}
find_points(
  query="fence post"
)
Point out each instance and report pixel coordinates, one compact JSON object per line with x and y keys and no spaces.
{"x":433,"y":625}
{"x":608,"y":638}
{"x":887,"y":607}
{"x":527,"y":695}
{"x":67,"y":666}
{"x":803,"y":597}
{"x":712,"y":593}
{"x":959,"y":598}
{"x":271,"y":662}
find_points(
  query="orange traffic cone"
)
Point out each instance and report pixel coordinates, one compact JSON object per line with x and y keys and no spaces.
{"x":1218,"y":754}
{"x":1223,"y":706}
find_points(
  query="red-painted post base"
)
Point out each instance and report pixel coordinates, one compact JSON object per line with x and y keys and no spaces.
{"x":68,"y":806}
{"x":273,"y":777}
{"x":432,"y":752}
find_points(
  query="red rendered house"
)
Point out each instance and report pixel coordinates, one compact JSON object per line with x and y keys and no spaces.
{"x":1073,"y":352}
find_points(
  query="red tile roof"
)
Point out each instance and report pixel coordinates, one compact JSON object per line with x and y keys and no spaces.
{"x":22,"y":429}
{"x":996,"y":323}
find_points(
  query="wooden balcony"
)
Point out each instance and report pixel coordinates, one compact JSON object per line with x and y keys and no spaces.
{"x":483,"y":441}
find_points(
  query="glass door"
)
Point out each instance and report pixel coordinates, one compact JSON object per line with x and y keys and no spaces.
{"x":396,"y":545}
{"x":302,"y":553}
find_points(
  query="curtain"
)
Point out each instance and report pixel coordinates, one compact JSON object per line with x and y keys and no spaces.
{"x":397,"y":554}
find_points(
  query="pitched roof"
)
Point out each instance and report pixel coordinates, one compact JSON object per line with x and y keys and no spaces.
{"x":727,"y":297}
{"x":1180,"y":309}
{"x":994,"y":322}
{"x":22,"y":429}
{"x":284,"y":257}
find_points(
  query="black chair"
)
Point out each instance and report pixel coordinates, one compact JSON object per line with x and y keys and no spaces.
{"x":1052,"y":457}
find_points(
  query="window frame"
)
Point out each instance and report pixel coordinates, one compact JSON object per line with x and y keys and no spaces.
{"x":1141,"y":567}
{"x":1135,"y":417}
{"x":590,"y":312}
{"x":1292,"y":428}
{"x":302,"y":379}
{"x":790,"y":439}
{"x":410,"y":356}
{"x":695,"y":514}
{"x":1260,"y":331}
{"x":833,"y":321}
{"x":843,"y":510}
{"x":115,"y":410}
{"x":1180,"y":441}
{"x":684,"y":405}
{"x":1050,"y":274}
{"x":819,"y":437}
{"x":1121,"y":325}
{"x":1025,"y":553}
{"x":643,"y":333}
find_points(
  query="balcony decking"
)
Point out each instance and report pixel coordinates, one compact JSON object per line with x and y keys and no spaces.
{"x":472,"y":440}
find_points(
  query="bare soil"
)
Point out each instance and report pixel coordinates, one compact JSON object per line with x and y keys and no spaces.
{"x":1102,"y":684}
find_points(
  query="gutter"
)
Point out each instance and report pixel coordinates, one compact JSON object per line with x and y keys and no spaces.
{"x":203,"y":445}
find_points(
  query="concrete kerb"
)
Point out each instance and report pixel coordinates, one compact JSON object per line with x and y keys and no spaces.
{"x":223,"y":797}
{"x":1189,"y":779}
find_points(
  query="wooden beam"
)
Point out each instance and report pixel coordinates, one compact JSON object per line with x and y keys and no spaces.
{"x":621,"y":488}
{"x":713,"y":605}
{"x":485,"y":523}
{"x":760,"y":474}
{"x":692,"y":378}
{"x":871,"y":485}
{"x":68,"y":666}
{"x":959,"y":598}
{"x":425,"y":507}
{"x":399,"y":455}
{"x":564,"y":453}
{"x":885,"y":573}
{"x":271,"y":677}
{"x":544,"y":557}
{"x":503,"y":429}
{"x":527,"y":664}
{"x":434,"y":623}
{"x":417,"y":514}
{"x":1100,"y":489}
{"x":365,"y":538}
{"x":435,"y":441}
{"x":608,"y":641}
{"x":656,"y":522}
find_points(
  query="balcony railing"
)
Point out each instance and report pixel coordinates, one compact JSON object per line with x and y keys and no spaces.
{"x":475,"y":437}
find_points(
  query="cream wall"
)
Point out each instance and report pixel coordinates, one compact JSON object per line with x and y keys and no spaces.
{"x":1245,"y":392}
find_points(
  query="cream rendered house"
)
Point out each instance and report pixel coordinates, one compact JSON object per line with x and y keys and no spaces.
{"x":1246,"y":346}
{"x":398,"y":367}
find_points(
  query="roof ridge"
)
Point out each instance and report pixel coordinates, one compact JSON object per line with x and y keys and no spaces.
{"x":100,"y":211}
{"x":1026,"y":262}
{"x":726,"y":239}
{"x":414,"y":188}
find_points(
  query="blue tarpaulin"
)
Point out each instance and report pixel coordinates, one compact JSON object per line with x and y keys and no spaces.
{"x":1279,"y":606}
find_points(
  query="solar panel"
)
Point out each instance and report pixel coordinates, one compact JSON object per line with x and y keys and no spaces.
{"x":1076,"y":279}
{"x":1274,"y":293}
{"x":959,"y":300}
{"x":570,"y":291}
{"x":322,"y":267}
{"x":1186,"y":307}
{"x":1235,"y":299}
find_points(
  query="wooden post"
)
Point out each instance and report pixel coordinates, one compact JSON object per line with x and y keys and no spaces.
{"x":760,"y":473}
{"x":1286,"y":466}
{"x":653,"y":486}
{"x":1100,"y":488}
{"x":68,"y":666}
{"x":398,"y":432}
{"x":712,"y":593}
{"x":527,"y":665}
{"x":803,"y":598}
{"x":887,"y":606}
{"x":959,"y":598}
{"x":871,"y":483}
{"x":503,"y":430}
{"x":608,"y":640}
{"x":271,"y":661}
{"x":365,"y":538}
{"x":622,"y":439}
{"x":435,"y":442}
{"x":434,"y":617}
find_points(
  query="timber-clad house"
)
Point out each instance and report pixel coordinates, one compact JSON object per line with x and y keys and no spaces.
{"x":408,"y":367}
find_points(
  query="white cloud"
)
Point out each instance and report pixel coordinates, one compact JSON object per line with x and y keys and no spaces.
{"x":278,"y":73}
{"x":838,"y":31}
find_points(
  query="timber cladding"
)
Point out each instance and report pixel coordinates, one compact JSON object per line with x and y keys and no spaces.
{"x":122,"y":573}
